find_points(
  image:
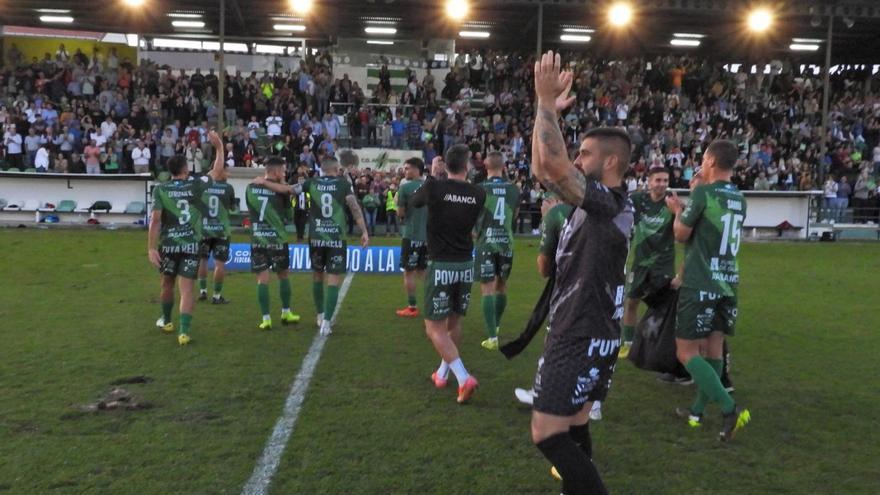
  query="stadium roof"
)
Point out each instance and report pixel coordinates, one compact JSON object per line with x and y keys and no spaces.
{"x":512,"y":23}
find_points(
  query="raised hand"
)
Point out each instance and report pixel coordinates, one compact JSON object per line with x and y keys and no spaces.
{"x":549,"y":81}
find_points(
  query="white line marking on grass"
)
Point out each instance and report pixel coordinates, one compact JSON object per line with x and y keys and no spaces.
{"x":258,"y":484}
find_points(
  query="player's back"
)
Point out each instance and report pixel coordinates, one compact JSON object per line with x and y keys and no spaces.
{"x":180,"y":202}
{"x":269,"y":212}
{"x":327,"y":219}
{"x":716,"y":212}
{"x":219,"y":202}
{"x":495,"y":226}
{"x":453,"y":209}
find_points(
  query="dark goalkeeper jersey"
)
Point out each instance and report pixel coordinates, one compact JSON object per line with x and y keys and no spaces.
{"x":587,"y":300}
{"x":453,"y":209}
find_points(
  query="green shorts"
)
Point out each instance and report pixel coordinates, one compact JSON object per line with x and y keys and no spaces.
{"x":448,"y":288}
{"x":413,"y":255}
{"x":642,"y":281}
{"x":275,"y":258}
{"x":701,"y":313}
{"x":185,"y":265}
{"x":214,"y":246}
{"x":331,"y":260}
{"x":491,"y":265}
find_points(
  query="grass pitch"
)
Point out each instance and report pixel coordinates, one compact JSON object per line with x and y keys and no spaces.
{"x":78,"y":307}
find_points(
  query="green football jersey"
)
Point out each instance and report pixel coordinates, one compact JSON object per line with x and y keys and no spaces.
{"x":181,"y":206}
{"x":219,"y":200}
{"x":551,"y":228}
{"x":415,"y":225}
{"x":495,"y":225}
{"x":716,"y":213}
{"x":653,"y":239}
{"x":328,"y":224}
{"x":269,"y":213}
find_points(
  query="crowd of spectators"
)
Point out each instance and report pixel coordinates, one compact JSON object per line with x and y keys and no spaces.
{"x":95,"y":113}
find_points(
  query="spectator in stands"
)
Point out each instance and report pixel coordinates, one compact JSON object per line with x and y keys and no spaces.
{"x":194,"y":158}
{"x":13,"y":142}
{"x":861,"y":191}
{"x":32,"y":143}
{"x":41,"y":159}
{"x":61,"y":165}
{"x":92,"y":158}
{"x":140,"y":157}
{"x":844,"y":190}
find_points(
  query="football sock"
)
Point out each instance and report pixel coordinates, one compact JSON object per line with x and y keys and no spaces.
{"x":167,"y":306}
{"x":581,"y":436}
{"x":702,"y":399}
{"x":411,"y":300}
{"x":263,"y":298}
{"x":318,"y":296}
{"x":489,"y":315}
{"x":443,"y":370}
{"x":330,"y":302}
{"x":203,"y":284}
{"x":709,"y":383}
{"x":628,"y":332}
{"x":579,"y":475}
{"x":218,"y":288}
{"x":500,"y":306}
{"x":185,"y":322}
{"x":285,"y":292}
{"x":459,"y":370}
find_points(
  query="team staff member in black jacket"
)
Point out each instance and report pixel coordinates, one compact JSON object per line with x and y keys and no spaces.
{"x":587,"y":299}
{"x":453,"y":208}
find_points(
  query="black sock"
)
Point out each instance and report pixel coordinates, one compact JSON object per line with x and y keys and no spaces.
{"x":581,"y":436}
{"x":579,"y":475}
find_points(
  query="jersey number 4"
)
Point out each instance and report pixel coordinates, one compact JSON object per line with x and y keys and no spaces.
{"x":731,"y":235}
{"x":499,"y":213}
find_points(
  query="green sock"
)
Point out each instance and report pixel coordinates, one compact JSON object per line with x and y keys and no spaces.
{"x":203,"y":284}
{"x":489,"y":315}
{"x":167,"y":306}
{"x":500,"y":306}
{"x":218,"y":288}
{"x":330,"y":302}
{"x":185,"y":322}
{"x":285,"y":293}
{"x":628,"y":332}
{"x":411,"y":300}
{"x":709,"y":382}
{"x":263,"y":298}
{"x":318,"y":296}
{"x":702,"y":399}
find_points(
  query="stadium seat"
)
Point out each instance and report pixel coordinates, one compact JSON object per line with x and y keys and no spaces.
{"x":136,"y":208}
{"x":66,"y":206}
{"x":101,"y":206}
{"x":3,"y":203}
{"x":13,"y":205}
{"x":31,"y":205}
{"x":47,"y":207}
{"x":30,"y":170}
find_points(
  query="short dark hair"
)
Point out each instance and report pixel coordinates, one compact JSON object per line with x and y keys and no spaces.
{"x":725,"y":153}
{"x":328,"y":163}
{"x":619,"y":142}
{"x":657,"y":170}
{"x":274,"y":161}
{"x":495,"y":157}
{"x":457,"y":158}
{"x":176,"y":164}
{"x":417,"y":163}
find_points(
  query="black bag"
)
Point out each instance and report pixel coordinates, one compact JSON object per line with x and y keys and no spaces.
{"x":653,"y":346}
{"x":536,"y":321}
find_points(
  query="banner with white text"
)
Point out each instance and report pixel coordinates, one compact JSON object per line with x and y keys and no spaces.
{"x":374,"y":259}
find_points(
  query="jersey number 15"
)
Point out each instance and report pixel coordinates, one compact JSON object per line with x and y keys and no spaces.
{"x":731,"y":234}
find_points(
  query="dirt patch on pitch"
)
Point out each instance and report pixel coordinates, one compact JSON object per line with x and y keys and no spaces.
{"x":115,"y":399}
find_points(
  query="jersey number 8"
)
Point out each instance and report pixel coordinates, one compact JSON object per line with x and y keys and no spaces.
{"x":326,"y":205}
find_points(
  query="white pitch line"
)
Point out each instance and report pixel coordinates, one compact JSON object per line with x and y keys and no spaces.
{"x":258,"y":484}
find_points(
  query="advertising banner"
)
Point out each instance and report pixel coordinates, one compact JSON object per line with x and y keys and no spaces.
{"x":374,"y":259}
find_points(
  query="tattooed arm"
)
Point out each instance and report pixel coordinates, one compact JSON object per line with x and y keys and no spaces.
{"x":358,"y":215}
{"x":550,"y":162}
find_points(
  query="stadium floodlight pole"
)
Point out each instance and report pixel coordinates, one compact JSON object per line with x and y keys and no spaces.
{"x":221,"y":73}
{"x":826,"y":92}
{"x":540,"y":26}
